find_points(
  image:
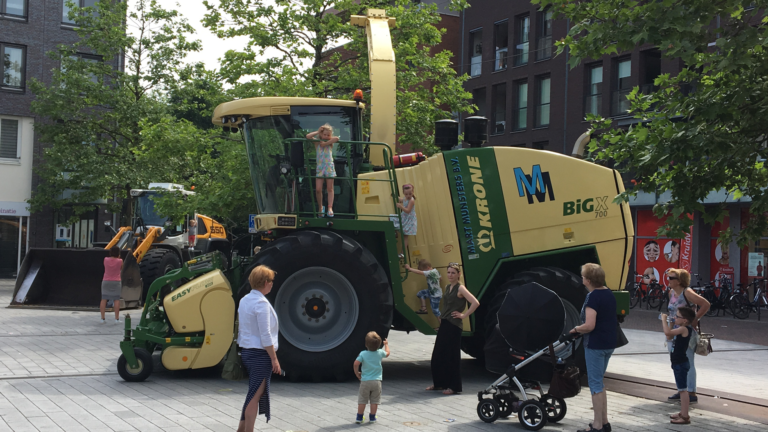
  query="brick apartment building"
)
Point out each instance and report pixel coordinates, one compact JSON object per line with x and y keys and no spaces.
{"x":533,"y":99}
{"x":28,"y":30}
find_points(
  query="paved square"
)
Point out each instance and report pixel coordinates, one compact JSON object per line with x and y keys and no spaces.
{"x":58,"y":373}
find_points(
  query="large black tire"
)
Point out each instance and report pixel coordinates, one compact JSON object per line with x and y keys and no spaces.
{"x":156,"y":263}
{"x":571,"y":291}
{"x":309,"y":263}
{"x":136,"y":375}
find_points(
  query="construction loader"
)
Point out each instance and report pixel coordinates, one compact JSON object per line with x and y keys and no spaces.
{"x":508,"y":216}
{"x":151,"y":247}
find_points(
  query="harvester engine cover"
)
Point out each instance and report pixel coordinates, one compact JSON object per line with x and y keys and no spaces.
{"x":203,"y":306}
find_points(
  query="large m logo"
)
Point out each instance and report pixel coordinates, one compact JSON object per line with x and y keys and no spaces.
{"x":537,"y":184}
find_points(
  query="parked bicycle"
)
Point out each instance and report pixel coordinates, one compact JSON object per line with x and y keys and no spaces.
{"x":742,"y":306}
{"x":656,"y":294}
{"x":651,"y":292}
{"x":636,"y":291}
{"x":719,"y":297}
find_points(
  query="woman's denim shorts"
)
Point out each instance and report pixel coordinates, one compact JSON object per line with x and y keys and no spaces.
{"x":597,"y":364}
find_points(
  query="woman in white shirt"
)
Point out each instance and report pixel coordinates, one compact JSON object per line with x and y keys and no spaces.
{"x":257,"y":336}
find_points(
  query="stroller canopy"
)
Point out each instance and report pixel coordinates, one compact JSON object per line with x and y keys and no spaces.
{"x":531,"y":317}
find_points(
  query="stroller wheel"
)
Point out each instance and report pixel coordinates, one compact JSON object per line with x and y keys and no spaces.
{"x":532,"y":415}
{"x":505,"y":405}
{"x":488,"y":410}
{"x":555,"y":407}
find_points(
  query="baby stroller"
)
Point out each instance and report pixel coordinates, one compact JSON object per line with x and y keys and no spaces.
{"x":532,"y":306}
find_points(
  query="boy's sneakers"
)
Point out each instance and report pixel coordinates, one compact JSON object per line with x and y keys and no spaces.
{"x":372,"y":418}
{"x":117,"y":321}
{"x":359,"y":419}
{"x":102,"y":321}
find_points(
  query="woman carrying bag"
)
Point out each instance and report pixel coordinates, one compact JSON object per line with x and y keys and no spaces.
{"x":680,"y":294}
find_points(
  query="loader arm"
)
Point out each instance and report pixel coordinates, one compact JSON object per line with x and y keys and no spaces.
{"x":146,"y":244}
{"x":117,"y":237}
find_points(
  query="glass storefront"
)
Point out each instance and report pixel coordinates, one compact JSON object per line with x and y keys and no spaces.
{"x":13,"y":244}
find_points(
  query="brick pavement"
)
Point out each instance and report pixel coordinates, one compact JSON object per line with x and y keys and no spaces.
{"x":51,"y":345}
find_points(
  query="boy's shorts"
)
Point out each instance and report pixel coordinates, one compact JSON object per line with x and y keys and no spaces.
{"x":370,"y":392}
{"x":434,"y":302}
{"x":681,"y":375}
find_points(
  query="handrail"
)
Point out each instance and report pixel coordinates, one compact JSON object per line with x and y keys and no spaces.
{"x":350,"y":179}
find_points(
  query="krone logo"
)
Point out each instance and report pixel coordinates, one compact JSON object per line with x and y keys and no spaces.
{"x":485,"y":240}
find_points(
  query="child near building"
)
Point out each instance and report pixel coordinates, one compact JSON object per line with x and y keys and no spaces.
{"x":370,"y":375}
{"x":680,"y":365}
{"x":433,"y":291}
{"x":326,"y":170}
{"x":408,"y":206}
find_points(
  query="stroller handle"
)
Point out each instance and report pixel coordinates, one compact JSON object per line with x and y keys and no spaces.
{"x":569,"y":337}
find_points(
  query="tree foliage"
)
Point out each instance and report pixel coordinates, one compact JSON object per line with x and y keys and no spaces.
{"x":701,"y":131}
{"x":307,"y":48}
{"x":111,"y":129}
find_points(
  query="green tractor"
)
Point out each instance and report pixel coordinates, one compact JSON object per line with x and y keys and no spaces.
{"x":507,"y":215}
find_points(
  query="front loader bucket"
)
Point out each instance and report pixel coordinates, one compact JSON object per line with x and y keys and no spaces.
{"x":131,"y":279}
{"x":60,"y":277}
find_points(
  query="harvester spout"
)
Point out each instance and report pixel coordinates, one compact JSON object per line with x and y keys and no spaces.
{"x":381,"y":68}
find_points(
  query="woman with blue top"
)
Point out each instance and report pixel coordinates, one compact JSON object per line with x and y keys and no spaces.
{"x":257,"y":336}
{"x":598,"y":316}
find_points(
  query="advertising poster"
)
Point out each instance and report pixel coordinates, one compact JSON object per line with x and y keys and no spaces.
{"x":654,"y":256}
{"x":719,"y":255}
{"x":755,"y":265}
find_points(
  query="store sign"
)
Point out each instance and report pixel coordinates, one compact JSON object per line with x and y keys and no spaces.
{"x":686,"y":249}
{"x":14,"y":209}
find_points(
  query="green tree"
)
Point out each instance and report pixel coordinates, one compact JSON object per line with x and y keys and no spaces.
{"x":700,"y":131}
{"x":295,"y":48}
{"x":97,"y":115}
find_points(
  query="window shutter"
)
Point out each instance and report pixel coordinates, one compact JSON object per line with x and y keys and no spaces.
{"x":9,"y":138}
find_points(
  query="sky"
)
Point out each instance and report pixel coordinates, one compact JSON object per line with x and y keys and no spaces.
{"x":213,"y":47}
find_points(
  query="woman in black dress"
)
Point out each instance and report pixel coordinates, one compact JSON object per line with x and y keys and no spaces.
{"x":446,"y":356}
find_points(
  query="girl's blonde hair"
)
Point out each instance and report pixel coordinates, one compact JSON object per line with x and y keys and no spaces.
{"x":409,"y":186}
{"x":327,"y":127}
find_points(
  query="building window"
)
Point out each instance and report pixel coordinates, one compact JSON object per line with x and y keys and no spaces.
{"x":544,"y":35}
{"x":651,"y":64}
{"x":12,"y":67}
{"x":478,"y":98}
{"x":542,"y":101}
{"x":65,"y":19}
{"x":88,"y":58}
{"x":13,"y":8}
{"x":619,"y":102}
{"x":520,"y":118}
{"x":10,"y":139}
{"x":499,"y":114}
{"x":522,"y":29}
{"x":594,"y":94}
{"x":541,"y":145}
{"x":501,"y":41}
{"x":476,"y":53}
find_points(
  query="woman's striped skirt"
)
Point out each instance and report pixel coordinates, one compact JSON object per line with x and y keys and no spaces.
{"x":259,"y":367}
